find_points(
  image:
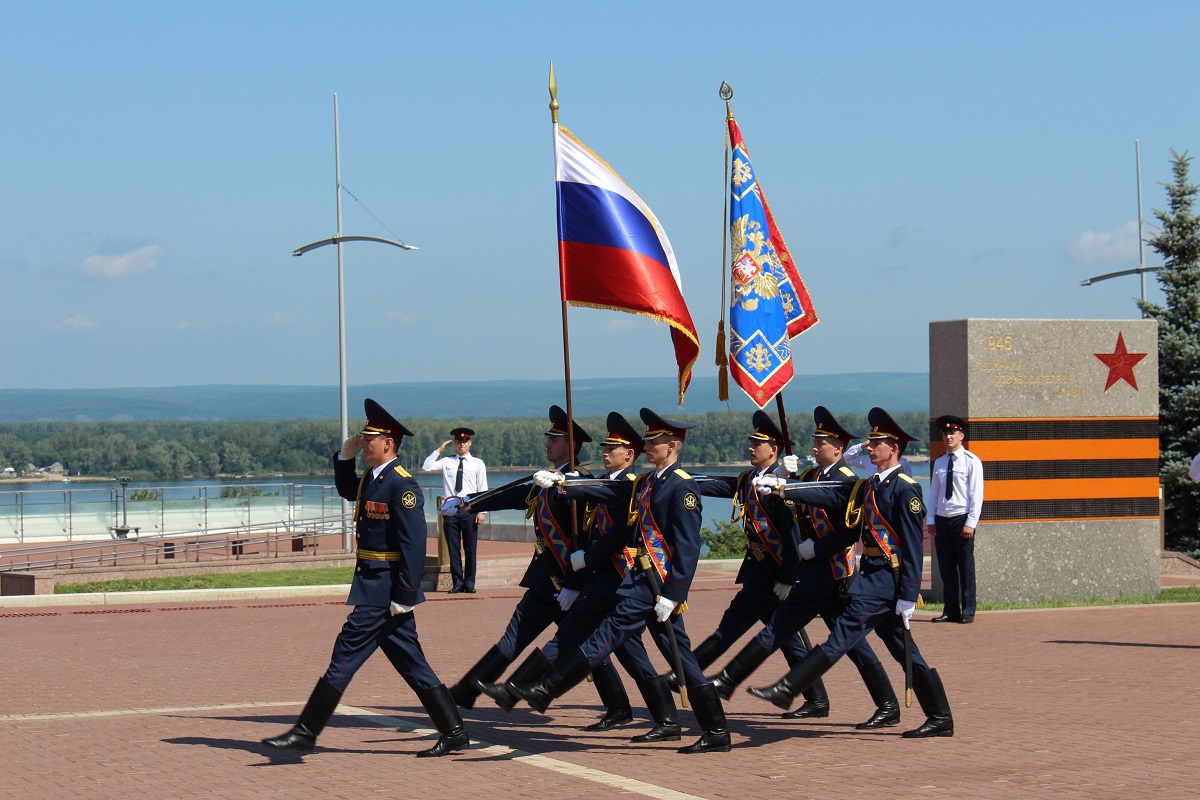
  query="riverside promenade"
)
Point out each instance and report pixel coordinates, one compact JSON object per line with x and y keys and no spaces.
{"x":169,"y":698}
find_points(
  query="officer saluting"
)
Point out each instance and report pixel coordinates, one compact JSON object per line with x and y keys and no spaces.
{"x":889,"y":508}
{"x":390,"y":524}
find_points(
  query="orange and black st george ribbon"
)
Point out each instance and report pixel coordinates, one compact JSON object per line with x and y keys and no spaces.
{"x":1057,"y":469}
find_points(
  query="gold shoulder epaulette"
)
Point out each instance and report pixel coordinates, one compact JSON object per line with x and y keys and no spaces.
{"x":683,"y":474}
{"x":401,"y":471}
{"x":849,"y":473}
{"x":907,"y":479}
{"x":629,"y":476}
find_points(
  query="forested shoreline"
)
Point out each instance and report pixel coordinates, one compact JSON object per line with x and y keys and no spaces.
{"x":187,"y":449}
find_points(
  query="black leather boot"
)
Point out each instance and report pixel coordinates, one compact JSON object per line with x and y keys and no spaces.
{"x":613,"y":695}
{"x":887,"y":707}
{"x":801,"y":676}
{"x":320,"y":707}
{"x":661,"y":706}
{"x":444,"y":713}
{"x":572,"y":667}
{"x":927,"y":686}
{"x":486,"y":670}
{"x":711,"y":716}
{"x":708,"y":652}
{"x":533,"y":667}
{"x":743,"y":664}
{"x":816,"y":703}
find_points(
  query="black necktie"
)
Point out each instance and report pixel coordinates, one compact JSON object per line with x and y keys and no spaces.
{"x":458,"y":477}
{"x":950,"y":476}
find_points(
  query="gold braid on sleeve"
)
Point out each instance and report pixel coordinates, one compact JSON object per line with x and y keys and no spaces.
{"x":854,"y":512}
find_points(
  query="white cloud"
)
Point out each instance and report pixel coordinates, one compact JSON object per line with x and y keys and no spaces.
{"x":1106,"y":247}
{"x":621,"y":322}
{"x":74,"y":324}
{"x":403,"y":318}
{"x":123,"y":265}
{"x":278,"y":319}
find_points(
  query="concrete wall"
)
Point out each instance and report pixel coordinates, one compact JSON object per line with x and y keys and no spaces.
{"x":1070,"y":450}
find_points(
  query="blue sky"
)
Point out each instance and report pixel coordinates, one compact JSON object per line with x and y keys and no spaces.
{"x":925,"y":161}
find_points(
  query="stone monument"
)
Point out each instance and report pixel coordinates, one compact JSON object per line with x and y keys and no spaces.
{"x":1064,"y":415}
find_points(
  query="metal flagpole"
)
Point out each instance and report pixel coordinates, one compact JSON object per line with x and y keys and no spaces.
{"x":1137,"y":149}
{"x":566,"y":336}
{"x":338,"y":239}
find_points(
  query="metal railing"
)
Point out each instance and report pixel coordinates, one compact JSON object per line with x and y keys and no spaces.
{"x":252,"y":541}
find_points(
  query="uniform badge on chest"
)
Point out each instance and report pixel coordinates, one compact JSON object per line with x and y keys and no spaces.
{"x":376,"y":510}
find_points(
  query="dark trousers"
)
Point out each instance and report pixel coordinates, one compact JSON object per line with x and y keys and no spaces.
{"x":866,"y":614}
{"x":581,"y":621}
{"x":755,"y":602}
{"x":369,"y":628}
{"x":783,"y":631}
{"x":627,"y":620}
{"x":956,"y":564}
{"x":536,"y":612}
{"x":462,"y":534}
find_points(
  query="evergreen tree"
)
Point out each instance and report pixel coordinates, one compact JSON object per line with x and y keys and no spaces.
{"x":1179,"y":355}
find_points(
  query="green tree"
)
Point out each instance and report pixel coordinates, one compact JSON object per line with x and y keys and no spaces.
{"x":727,"y":541}
{"x":1179,"y":355}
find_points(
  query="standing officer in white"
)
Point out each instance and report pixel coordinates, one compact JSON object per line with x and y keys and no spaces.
{"x":955,"y":503}
{"x":461,"y":476}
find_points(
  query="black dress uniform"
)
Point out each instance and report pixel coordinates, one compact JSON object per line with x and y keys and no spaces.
{"x":667,"y":512}
{"x":548,"y":572}
{"x":821,"y":585}
{"x":890,"y":513}
{"x":607,"y":559}
{"x":771,"y":540}
{"x":390,"y":525}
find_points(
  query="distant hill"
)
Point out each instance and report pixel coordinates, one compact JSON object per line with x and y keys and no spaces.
{"x":854,"y":392}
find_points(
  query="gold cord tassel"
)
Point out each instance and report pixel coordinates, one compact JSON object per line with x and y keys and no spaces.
{"x":722,"y":364}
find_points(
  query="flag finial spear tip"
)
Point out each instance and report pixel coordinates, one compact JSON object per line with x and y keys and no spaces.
{"x":727,"y":95}
{"x":553,"y":95}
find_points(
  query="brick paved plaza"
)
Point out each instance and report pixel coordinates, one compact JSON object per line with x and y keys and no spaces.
{"x":169,"y":700}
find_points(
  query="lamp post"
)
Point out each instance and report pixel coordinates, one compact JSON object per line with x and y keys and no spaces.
{"x":338,"y":239}
{"x":1141,"y":269}
{"x":122,"y":530}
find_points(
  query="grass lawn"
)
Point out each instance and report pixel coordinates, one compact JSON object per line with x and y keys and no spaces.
{"x":224,"y":580}
{"x":333,"y":575}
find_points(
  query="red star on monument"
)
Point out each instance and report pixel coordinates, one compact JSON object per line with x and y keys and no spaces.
{"x":1120,"y":363}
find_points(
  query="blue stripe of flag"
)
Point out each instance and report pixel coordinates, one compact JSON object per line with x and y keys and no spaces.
{"x":591,"y":215}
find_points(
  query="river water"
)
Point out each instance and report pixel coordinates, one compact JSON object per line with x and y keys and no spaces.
{"x":42,"y":513}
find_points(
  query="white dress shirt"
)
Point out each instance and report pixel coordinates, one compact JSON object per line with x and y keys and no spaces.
{"x":967,"y":495}
{"x":474,"y":473}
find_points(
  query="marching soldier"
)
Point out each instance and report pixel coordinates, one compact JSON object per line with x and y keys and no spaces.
{"x":889,"y":508}
{"x":767,"y":572}
{"x":390,"y":524}
{"x":819,"y":585}
{"x":605,"y":563}
{"x":665,"y":505}
{"x":551,"y":586}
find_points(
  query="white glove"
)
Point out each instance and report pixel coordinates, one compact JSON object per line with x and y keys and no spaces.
{"x":792,"y":464}
{"x":663,"y":609}
{"x":905,"y":609}
{"x":566,"y":597}
{"x":351,"y":447}
{"x":769,"y":484}
{"x":578,"y":560}
{"x":450,"y":506}
{"x":808,"y":550}
{"x":546,"y":478}
{"x":395,"y":608}
{"x":782,"y":590}
{"x":1194,"y":470}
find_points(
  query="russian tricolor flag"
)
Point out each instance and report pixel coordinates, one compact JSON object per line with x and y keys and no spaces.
{"x":612,"y":251}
